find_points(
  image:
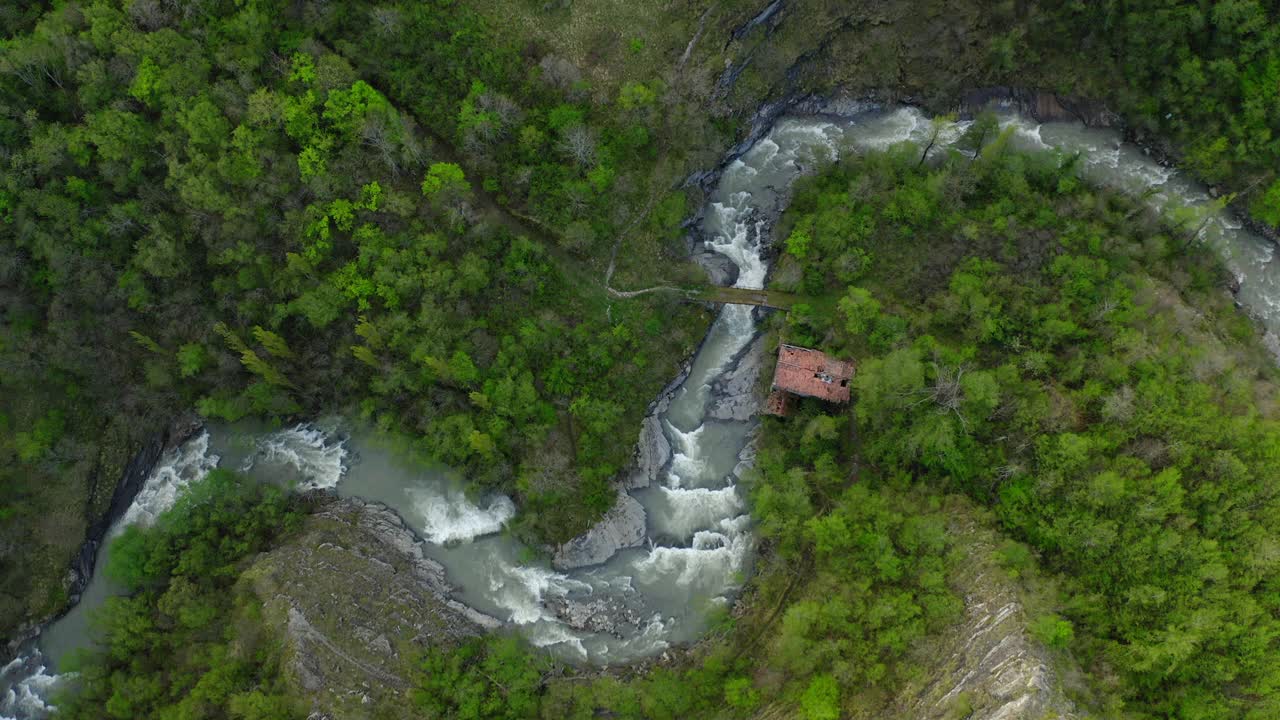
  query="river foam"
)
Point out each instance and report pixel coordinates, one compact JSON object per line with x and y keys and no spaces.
{"x":29,"y":688}
{"x":317,"y":457}
{"x":690,"y":510}
{"x":449,"y":516}
{"x":177,"y":468}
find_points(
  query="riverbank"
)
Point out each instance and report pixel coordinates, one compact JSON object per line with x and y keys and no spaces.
{"x":355,"y":600}
{"x":126,"y":488}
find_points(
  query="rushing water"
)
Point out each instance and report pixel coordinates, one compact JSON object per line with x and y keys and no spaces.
{"x":700,"y":542}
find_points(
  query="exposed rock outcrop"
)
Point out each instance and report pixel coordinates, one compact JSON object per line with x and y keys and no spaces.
{"x":733,"y":395}
{"x":653,"y":450}
{"x":720,"y":269}
{"x":621,"y":527}
{"x":1042,"y":105}
{"x":357,"y":599}
{"x":599,"y":615}
{"x":652,"y":454}
{"x":747,"y":457}
{"x":988,"y":666}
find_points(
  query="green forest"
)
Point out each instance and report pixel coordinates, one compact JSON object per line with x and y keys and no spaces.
{"x":1026,"y":358}
{"x":1027,"y":342}
{"x":420,"y":215}
{"x":184,"y":642}
{"x":229,"y":217}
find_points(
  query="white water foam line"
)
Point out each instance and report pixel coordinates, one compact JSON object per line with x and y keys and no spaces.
{"x":309,"y":450}
{"x":735,"y":243}
{"x":760,"y":154}
{"x":808,"y":143}
{"x":1028,"y":132}
{"x":449,"y":516}
{"x":519,"y":589}
{"x":28,"y":696}
{"x":686,"y":467}
{"x":896,"y":127}
{"x":550,"y":634}
{"x":712,"y":563}
{"x":177,"y":468}
{"x":697,"y":509}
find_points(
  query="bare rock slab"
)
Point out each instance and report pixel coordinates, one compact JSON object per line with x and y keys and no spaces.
{"x":719,"y":268}
{"x":734,"y":395}
{"x":653,"y":452}
{"x":987,"y":666}
{"x":622,"y":527}
{"x":357,"y":600}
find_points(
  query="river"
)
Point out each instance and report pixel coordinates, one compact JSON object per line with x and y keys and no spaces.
{"x":699,"y":544}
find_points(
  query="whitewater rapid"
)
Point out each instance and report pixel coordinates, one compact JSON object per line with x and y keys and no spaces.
{"x":700,"y":541}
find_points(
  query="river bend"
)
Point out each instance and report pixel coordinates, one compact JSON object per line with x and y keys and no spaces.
{"x":698,"y":549}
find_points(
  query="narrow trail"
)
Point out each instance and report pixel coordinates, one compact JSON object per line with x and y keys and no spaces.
{"x":622,"y":234}
{"x":655,"y":193}
{"x":613,"y":260}
{"x":645,"y":291}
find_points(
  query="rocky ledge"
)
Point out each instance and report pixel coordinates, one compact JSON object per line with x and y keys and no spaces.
{"x":653,"y":449}
{"x":1042,"y":105}
{"x":988,"y":666}
{"x":621,"y":527}
{"x":653,"y":452}
{"x":719,"y":268}
{"x":733,"y":395}
{"x":356,"y":600}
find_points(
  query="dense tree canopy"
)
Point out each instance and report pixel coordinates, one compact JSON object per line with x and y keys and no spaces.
{"x":403,"y":211}
{"x":1204,"y":74}
{"x":222,"y":209}
{"x":1036,"y":345}
{"x":183,"y":642}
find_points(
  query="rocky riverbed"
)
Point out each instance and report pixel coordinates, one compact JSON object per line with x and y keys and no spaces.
{"x":988,"y":666}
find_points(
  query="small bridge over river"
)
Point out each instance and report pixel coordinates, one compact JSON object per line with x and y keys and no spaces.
{"x":721,"y":295}
{"x":747,"y":296}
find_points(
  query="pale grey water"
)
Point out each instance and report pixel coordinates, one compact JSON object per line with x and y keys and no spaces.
{"x":701,"y":536}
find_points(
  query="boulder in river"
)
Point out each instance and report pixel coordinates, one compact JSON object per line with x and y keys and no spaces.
{"x":621,"y":527}
{"x":652,"y":453}
{"x":606,"y":615}
{"x":720,"y":269}
{"x":733,"y":395}
{"x":653,"y":450}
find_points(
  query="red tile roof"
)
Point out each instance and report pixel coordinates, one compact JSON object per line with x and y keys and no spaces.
{"x":811,"y":373}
